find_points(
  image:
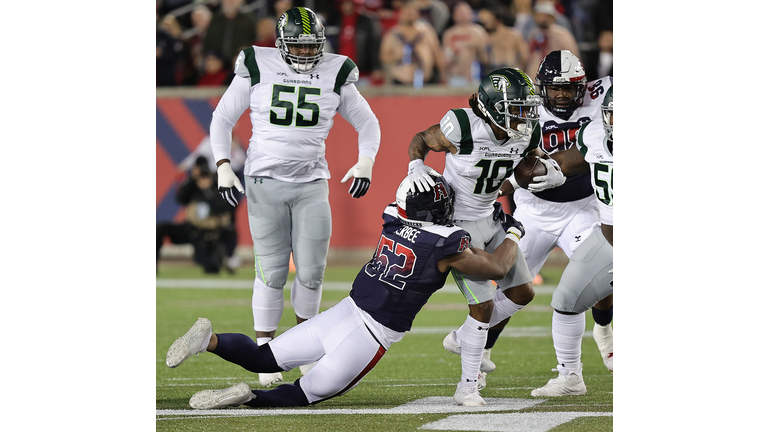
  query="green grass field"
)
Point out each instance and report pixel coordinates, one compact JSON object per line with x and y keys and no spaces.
{"x":417,"y":367}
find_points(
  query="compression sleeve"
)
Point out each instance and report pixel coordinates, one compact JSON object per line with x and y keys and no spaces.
{"x":231,"y":106}
{"x":355,"y":109}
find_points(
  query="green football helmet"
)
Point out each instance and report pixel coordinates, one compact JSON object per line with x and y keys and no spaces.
{"x":607,"y":109}
{"x":507,"y":96}
{"x":300,"y":27}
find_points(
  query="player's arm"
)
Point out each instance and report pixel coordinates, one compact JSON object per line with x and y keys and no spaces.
{"x":432,"y":139}
{"x":356,"y":110}
{"x":479,"y":263}
{"x":571,"y":161}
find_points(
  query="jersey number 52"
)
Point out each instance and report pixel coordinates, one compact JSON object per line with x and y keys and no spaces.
{"x":392,"y":262}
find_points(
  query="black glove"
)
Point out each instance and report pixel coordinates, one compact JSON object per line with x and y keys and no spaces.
{"x":507,"y":221}
{"x":359,"y":187}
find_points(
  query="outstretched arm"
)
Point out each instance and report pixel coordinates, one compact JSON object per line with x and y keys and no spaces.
{"x":432,"y":139}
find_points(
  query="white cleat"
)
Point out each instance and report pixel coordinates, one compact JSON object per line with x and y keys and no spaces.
{"x":451,"y":344}
{"x":236,"y":395}
{"x":267,"y":379}
{"x":481,"y":380}
{"x":604,"y":338}
{"x":306,"y":368}
{"x":468,"y":396}
{"x":566,"y":384}
{"x":193,"y":342}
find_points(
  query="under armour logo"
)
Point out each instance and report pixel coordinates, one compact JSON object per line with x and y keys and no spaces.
{"x":578,"y":238}
{"x":314,"y":76}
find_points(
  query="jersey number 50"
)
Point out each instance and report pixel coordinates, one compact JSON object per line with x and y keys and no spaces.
{"x":286,"y":119}
{"x":392,"y":262}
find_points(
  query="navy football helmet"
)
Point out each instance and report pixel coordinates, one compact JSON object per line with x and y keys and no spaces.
{"x":561,"y":68}
{"x":434,"y":206}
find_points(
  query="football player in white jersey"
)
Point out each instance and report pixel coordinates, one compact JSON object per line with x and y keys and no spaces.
{"x":293,"y":92}
{"x":564,"y":216}
{"x":588,"y":278}
{"x":483,"y":144}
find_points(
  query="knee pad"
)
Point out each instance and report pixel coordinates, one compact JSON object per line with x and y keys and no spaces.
{"x":267,"y":305}
{"x":305,"y":301}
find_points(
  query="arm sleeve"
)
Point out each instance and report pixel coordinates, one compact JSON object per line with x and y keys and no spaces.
{"x":355,"y":109}
{"x":231,"y":106}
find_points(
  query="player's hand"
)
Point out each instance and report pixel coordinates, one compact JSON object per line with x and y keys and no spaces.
{"x":362,"y":171}
{"x":515,"y":229}
{"x":552,"y":179}
{"x":420,"y":176}
{"x":227,"y":181}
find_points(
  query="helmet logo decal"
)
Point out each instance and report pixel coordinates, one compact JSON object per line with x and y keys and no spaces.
{"x":304,"y":20}
{"x":500,"y":82}
{"x":283,"y":21}
{"x":440,"y":192}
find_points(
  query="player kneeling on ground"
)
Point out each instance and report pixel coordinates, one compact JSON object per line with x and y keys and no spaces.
{"x":349,"y":339}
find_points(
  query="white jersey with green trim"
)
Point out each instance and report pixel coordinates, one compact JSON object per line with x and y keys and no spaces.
{"x":593,"y":144}
{"x":482,"y":163}
{"x":291,"y":114}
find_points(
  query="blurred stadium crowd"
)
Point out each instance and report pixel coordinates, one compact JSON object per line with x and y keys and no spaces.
{"x":393,"y":42}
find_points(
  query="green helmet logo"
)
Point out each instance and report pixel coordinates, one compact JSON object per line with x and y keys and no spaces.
{"x":300,"y":39}
{"x":507,"y":98}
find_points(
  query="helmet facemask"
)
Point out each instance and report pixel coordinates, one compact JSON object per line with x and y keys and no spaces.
{"x":561,"y":68}
{"x":507,"y":112}
{"x":550,"y":103}
{"x":607,"y":111}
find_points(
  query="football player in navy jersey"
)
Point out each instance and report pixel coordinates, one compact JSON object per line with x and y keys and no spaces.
{"x":417,"y":249}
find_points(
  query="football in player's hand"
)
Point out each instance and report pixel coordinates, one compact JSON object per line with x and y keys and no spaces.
{"x":528,"y":168}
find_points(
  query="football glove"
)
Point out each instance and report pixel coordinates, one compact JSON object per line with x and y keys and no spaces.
{"x":227,"y":181}
{"x":515,"y":230}
{"x":552,"y":179}
{"x":362,"y":171}
{"x":507,"y":221}
{"x":419,"y":176}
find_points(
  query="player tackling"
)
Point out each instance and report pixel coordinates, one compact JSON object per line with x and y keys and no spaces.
{"x":417,"y":249}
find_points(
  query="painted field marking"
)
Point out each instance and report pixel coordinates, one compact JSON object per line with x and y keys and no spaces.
{"x":512,"y":422}
{"x":247,"y":284}
{"x":429,"y":405}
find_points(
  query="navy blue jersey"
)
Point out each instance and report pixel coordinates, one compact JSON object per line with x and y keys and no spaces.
{"x":403,"y":273}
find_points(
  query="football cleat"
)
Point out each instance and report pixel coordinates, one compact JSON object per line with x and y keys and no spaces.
{"x":306,"y":368}
{"x":236,"y":395}
{"x":468,"y":396}
{"x":565,"y":384}
{"x":450,"y":343}
{"x":604,"y":338}
{"x":193,"y":342}
{"x":267,"y":379}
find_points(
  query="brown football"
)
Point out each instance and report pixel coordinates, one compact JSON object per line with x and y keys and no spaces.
{"x":528,"y":168}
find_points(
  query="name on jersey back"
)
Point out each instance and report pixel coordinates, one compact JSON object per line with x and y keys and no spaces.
{"x":408,"y":233}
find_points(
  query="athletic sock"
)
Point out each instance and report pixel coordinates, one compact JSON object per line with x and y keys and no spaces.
{"x":492,"y":336}
{"x":241,"y":350}
{"x":305,"y":301}
{"x":286,"y":395}
{"x":602,"y":317}
{"x":567,"y":332}
{"x":472,"y":336}
{"x":503,"y":307}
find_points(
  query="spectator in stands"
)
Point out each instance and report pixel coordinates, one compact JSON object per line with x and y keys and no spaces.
{"x":523,"y":14}
{"x":360,"y":39}
{"x":265,"y":32}
{"x":215,"y":71}
{"x":230,"y":30}
{"x":389,"y":14}
{"x":169,"y":52}
{"x":506,"y":45}
{"x":548,"y":36}
{"x":410,"y":52}
{"x":435,"y":12}
{"x":603,"y":21}
{"x":208,"y":223}
{"x":194,"y":36}
{"x":465,"y":48}
{"x":185,"y":73}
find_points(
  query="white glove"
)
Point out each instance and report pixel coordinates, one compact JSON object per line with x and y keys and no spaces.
{"x":420,"y":176}
{"x":362,"y":171}
{"x":552,"y":179}
{"x":227,"y":180}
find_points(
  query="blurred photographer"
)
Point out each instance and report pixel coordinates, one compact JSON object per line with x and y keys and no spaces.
{"x":208,"y":219}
